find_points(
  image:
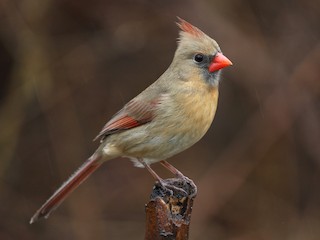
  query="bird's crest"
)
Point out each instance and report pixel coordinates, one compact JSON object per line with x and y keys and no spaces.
{"x":189,"y":28}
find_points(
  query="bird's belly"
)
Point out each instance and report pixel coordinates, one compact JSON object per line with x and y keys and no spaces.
{"x":157,"y":145}
{"x":159,"y":148}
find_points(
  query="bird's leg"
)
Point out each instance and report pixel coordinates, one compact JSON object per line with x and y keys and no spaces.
{"x":153,"y":173}
{"x":162,"y":182}
{"x":179,"y":174}
{"x":172,"y":169}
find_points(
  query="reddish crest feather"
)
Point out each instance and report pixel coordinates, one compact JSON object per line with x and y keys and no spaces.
{"x":189,"y":28}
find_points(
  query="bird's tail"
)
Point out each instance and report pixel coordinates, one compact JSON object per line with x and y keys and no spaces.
{"x":89,"y":166}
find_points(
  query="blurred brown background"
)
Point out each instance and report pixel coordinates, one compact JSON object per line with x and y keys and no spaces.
{"x":67,"y":66}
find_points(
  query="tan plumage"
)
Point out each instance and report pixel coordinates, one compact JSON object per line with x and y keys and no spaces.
{"x":168,"y":117}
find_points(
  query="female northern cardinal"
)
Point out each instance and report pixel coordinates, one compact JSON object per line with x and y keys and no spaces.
{"x":166,"y":118}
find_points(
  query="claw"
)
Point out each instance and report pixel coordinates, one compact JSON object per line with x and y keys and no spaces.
{"x":171,"y":188}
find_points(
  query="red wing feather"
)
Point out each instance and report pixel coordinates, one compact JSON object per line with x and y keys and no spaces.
{"x":133,"y":114}
{"x":123,"y":123}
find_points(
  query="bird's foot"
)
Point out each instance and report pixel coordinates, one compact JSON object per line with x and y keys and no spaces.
{"x":169,"y":187}
{"x":184,"y":182}
{"x":182,"y":185}
{"x":193,"y":186}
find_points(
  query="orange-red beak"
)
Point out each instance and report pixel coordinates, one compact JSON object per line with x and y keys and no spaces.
{"x":218,"y":62}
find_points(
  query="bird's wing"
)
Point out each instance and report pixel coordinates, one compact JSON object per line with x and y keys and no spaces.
{"x":133,"y":114}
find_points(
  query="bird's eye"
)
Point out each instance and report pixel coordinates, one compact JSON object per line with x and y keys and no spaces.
{"x":198,"y":57}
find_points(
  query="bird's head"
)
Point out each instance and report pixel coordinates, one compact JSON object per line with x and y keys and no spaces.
{"x":198,"y":53}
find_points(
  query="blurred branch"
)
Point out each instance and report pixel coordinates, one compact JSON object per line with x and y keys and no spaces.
{"x":168,"y":215}
{"x":29,"y":53}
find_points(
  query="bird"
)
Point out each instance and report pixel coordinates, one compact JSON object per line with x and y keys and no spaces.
{"x":169,"y":116}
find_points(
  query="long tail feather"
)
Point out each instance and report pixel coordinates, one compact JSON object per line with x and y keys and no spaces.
{"x":69,"y":186}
